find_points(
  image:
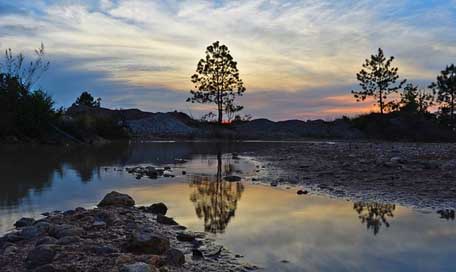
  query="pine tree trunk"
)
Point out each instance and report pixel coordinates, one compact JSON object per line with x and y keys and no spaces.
{"x":381,"y":102}
{"x":452,"y":110}
{"x":220,"y":115}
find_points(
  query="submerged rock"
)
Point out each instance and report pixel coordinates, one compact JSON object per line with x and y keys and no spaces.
{"x":232,"y":178}
{"x":116,"y":199}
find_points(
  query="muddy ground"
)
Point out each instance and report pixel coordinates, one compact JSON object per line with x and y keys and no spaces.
{"x":419,"y":175}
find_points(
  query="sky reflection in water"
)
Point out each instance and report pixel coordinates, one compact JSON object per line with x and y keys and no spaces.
{"x":271,"y":227}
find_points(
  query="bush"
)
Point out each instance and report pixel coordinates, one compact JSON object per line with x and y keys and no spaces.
{"x":24,"y":113}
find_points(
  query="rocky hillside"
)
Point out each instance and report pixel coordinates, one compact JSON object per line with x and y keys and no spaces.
{"x":179,"y":125}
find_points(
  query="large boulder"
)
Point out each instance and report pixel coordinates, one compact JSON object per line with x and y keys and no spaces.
{"x":40,"y":255}
{"x":157,"y":208}
{"x":117,"y":199}
{"x":144,"y":241}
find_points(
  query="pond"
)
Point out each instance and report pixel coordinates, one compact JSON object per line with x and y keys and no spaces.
{"x":272,"y":227}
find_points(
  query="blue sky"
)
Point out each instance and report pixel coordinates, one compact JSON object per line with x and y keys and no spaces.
{"x":298,"y":59}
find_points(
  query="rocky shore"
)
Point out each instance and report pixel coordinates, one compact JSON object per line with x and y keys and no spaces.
{"x":115,"y":236}
{"x":420,"y":175}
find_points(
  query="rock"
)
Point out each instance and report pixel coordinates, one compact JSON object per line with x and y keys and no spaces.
{"x":232,"y":178}
{"x":156,"y":261}
{"x":117,"y":199}
{"x":59,"y":231}
{"x":68,"y":240}
{"x":175,"y":257}
{"x":40,"y":255}
{"x":105,"y":249}
{"x":69,"y":212}
{"x":397,"y":160}
{"x":302,"y":192}
{"x":99,"y":224}
{"x":24,"y":222}
{"x":43,"y":226}
{"x":197,"y":254}
{"x":46,"y":268}
{"x":136,"y":267}
{"x":157,"y":208}
{"x":108,"y":217}
{"x":165,"y":220}
{"x":13,"y":237}
{"x":142,"y":241}
{"x":30,"y":232}
{"x":10,"y":250}
{"x":46,"y":240}
{"x":185,"y":237}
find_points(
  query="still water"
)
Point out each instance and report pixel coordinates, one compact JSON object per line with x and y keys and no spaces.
{"x":271,"y":227}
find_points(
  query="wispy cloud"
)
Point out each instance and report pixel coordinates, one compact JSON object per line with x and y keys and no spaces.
{"x":292,"y":49}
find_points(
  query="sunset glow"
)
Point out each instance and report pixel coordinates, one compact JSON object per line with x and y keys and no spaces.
{"x":298,"y":59}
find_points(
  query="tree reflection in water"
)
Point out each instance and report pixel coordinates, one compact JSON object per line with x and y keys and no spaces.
{"x":215,"y":200}
{"x":374,"y":215}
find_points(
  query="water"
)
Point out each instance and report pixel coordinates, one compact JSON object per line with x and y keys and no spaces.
{"x":271,"y":227}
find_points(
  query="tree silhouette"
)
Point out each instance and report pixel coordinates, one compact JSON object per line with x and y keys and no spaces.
{"x":378,"y":79}
{"x":217,"y":80}
{"x":88,"y":100}
{"x":445,"y":87}
{"x":373,"y":214}
{"x":24,"y":111}
{"x":414,"y":99}
{"x":27,"y":75}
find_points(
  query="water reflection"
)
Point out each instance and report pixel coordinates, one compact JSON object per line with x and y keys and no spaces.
{"x":33,"y":169}
{"x":374,"y":215}
{"x":215,"y":200}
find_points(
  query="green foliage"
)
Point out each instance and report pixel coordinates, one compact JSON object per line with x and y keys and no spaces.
{"x":378,"y":80}
{"x":86,"y":99}
{"x":445,"y":88}
{"x":217,"y":80}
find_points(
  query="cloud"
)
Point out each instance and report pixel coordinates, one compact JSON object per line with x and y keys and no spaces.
{"x":288,"y":49}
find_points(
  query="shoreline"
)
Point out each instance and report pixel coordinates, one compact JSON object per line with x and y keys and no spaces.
{"x":416,"y":175}
{"x":115,"y":236}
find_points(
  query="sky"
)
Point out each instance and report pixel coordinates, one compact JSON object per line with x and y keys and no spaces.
{"x":298,"y":59}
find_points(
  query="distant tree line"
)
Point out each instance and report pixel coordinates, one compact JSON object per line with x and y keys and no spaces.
{"x":379,"y":80}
